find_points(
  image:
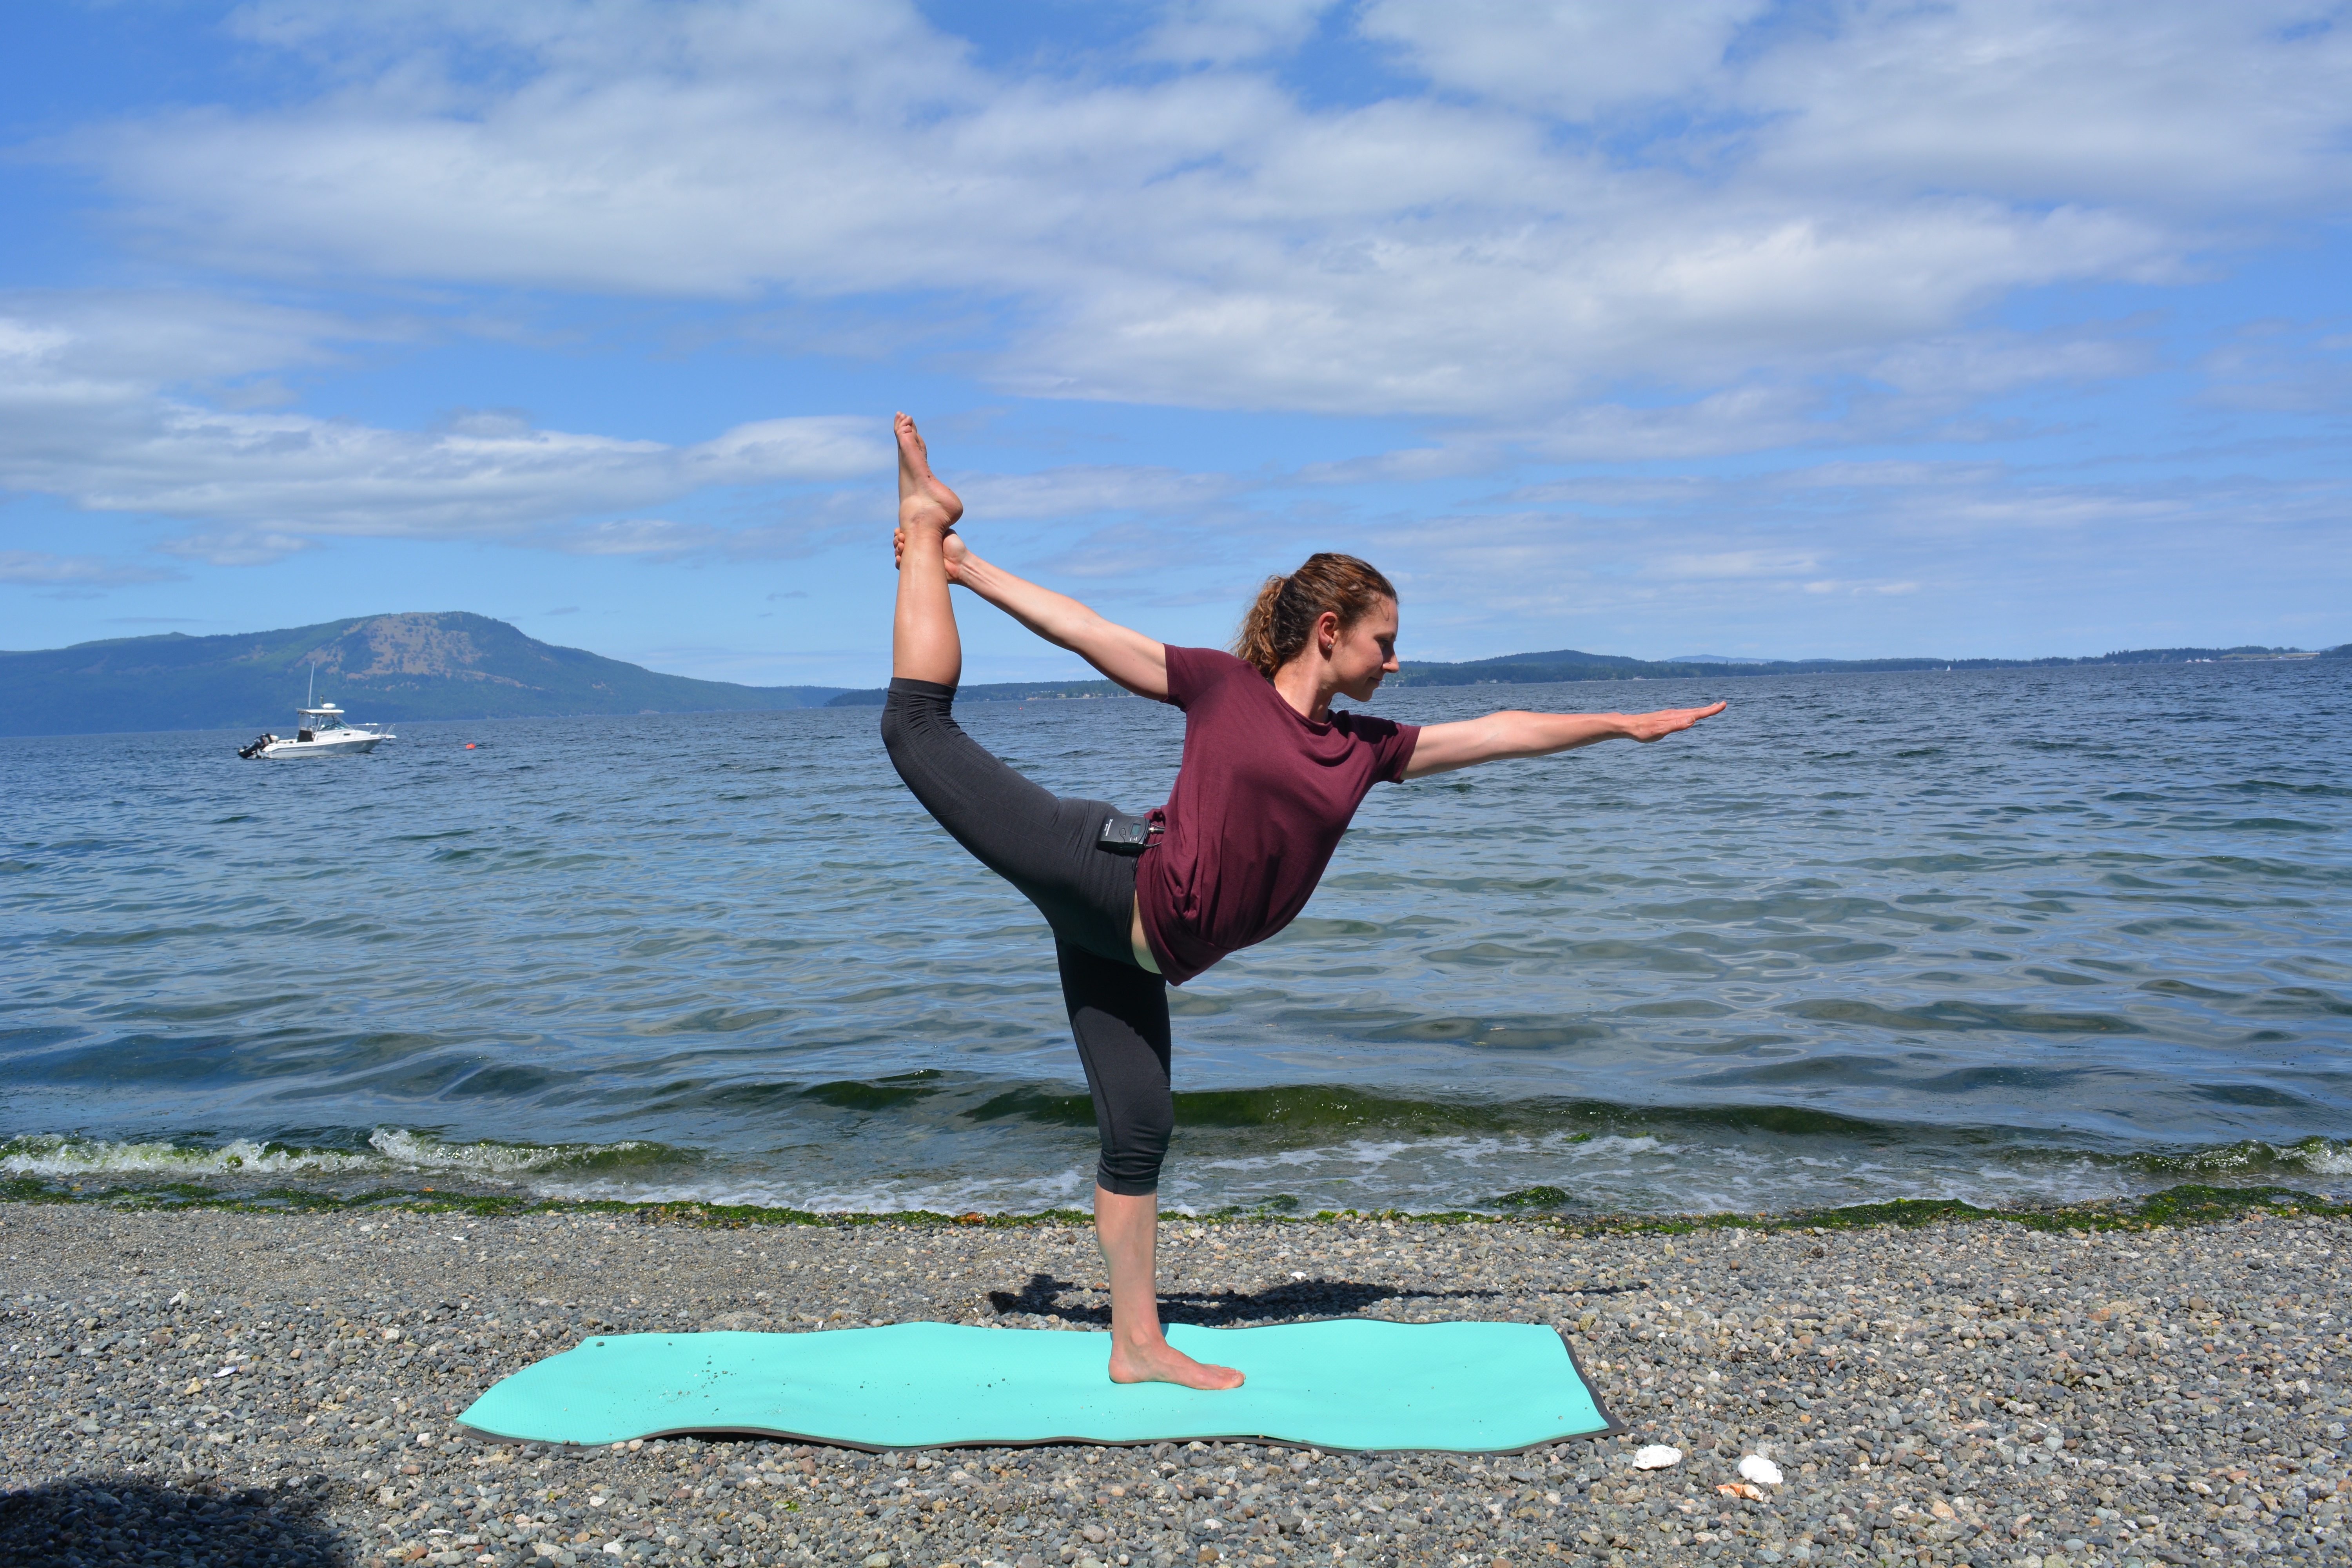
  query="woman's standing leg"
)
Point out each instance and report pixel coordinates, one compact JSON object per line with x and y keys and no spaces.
{"x":1119,"y":1014}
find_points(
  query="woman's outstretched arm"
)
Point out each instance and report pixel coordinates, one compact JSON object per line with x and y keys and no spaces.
{"x":1128,"y":656}
{"x":1465,"y":742}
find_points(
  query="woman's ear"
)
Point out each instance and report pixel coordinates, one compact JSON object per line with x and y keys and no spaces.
{"x":1327,"y":633}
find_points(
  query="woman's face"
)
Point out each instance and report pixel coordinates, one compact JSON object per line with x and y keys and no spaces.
{"x":1365,"y":653}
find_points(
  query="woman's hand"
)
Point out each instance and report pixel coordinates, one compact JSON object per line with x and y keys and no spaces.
{"x":952,"y":546}
{"x":1648,"y":727}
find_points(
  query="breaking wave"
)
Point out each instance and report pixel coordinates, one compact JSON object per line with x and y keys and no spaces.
{"x":388,"y":1151}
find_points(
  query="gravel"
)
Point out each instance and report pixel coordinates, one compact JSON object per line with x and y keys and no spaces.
{"x":224,"y":1386}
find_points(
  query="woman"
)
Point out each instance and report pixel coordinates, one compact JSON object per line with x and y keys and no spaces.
{"x":1270,"y":775}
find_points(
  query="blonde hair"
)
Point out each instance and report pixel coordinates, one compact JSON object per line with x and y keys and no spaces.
{"x":1277,"y":626}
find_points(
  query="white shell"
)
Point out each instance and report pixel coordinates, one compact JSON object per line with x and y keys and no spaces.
{"x":1756,"y":1468}
{"x":1657,"y":1456}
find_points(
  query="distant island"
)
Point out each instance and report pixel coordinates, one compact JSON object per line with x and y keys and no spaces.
{"x":447,"y":665}
{"x":452,"y":664}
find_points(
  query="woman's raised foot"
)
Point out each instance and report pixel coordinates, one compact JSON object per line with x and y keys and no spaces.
{"x":1163,"y":1362}
{"x":923,"y":501}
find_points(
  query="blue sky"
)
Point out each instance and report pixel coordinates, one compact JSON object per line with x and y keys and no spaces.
{"x":1783,"y":330}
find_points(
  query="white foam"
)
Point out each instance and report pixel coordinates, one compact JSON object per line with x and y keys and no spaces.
{"x":51,"y":1156}
{"x":392,"y":1150}
{"x":1067,"y":1189}
{"x":1630,"y":1172}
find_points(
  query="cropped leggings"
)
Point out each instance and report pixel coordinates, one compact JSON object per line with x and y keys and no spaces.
{"x":1046,"y":847}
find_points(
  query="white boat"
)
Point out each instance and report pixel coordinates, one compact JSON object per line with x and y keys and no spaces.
{"x":322,"y":733}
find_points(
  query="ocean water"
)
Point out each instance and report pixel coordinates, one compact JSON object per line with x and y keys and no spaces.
{"x":2012,"y":936}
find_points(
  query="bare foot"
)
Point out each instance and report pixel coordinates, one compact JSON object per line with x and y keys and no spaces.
{"x":1163,"y":1362}
{"x":923,"y":501}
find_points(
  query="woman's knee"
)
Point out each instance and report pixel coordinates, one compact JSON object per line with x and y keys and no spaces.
{"x":1137,"y":1129}
{"x":1119,"y":1014}
{"x":903,"y":724}
{"x":1131,"y":1169}
{"x":1142,"y":1184}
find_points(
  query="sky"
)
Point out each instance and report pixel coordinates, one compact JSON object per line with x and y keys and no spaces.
{"x":1813,"y":329}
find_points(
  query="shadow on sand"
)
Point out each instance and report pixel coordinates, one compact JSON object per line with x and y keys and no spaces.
{"x":97,"y":1522}
{"x":1222,"y":1308}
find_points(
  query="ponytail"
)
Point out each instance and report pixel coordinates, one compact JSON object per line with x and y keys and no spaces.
{"x":1278,"y":625}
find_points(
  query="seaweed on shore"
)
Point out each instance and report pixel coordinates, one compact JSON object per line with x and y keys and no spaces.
{"x":2189,"y":1204}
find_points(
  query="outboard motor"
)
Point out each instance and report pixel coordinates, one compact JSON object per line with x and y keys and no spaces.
{"x":255,"y":749}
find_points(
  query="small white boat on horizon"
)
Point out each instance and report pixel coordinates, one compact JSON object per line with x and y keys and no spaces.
{"x":323,"y":731}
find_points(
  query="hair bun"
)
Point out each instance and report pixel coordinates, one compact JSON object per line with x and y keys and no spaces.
{"x":1279,"y":623}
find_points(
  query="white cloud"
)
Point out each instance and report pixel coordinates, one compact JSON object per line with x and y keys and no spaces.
{"x":40,"y":569}
{"x":1684,"y":567}
{"x":233,"y":546}
{"x":1574,"y":58}
{"x":2282,"y":366}
{"x":1844,"y":183}
{"x":1832,"y":585}
{"x":1091,"y":490}
{"x":1866,"y":559}
{"x":2179,"y":107}
{"x":1226,"y":32}
{"x":85,"y":417}
{"x":656,"y":537}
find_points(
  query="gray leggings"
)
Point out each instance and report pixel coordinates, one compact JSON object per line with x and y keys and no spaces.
{"x":1046,"y":847}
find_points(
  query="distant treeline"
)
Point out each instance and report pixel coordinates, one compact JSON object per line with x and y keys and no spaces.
{"x":1568,"y":664}
{"x":1001,"y":691}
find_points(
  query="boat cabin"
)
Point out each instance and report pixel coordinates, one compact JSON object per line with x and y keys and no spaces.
{"x":314,"y":719}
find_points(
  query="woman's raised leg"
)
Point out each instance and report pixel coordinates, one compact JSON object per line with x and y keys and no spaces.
{"x":923,"y":641}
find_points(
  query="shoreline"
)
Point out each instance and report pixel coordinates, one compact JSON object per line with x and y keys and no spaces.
{"x":2054,"y":1389}
{"x":2188,"y":1203}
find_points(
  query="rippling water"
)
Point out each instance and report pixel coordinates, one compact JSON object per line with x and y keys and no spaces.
{"x":2009,"y":936}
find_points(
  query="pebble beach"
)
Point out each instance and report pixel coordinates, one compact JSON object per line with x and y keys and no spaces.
{"x":244,"y":1386}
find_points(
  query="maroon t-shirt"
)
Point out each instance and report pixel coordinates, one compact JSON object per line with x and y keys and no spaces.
{"x":1260,"y":803}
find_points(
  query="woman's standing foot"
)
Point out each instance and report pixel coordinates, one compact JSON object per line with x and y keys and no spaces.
{"x":1163,"y":1362}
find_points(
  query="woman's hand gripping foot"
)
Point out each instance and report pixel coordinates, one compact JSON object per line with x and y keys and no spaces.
{"x":953,"y":552}
{"x":1163,"y":1362}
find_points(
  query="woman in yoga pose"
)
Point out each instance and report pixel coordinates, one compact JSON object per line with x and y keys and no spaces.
{"x":1270,"y":776}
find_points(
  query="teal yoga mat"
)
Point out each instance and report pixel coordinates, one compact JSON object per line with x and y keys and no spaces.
{"x":1344,"y":1383}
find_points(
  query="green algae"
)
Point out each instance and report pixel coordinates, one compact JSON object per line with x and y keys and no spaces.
{"x":2189,"y":1204}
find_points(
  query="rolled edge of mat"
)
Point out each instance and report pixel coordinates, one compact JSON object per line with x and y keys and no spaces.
{"x":1600,"y":1405}
{"x":779,"y":1435}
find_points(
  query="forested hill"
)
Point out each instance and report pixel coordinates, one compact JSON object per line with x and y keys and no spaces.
{"x":1568,"y":664}
{"x":449,"y":664}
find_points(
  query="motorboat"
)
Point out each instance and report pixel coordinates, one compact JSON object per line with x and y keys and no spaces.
{"x":323,"y":731}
